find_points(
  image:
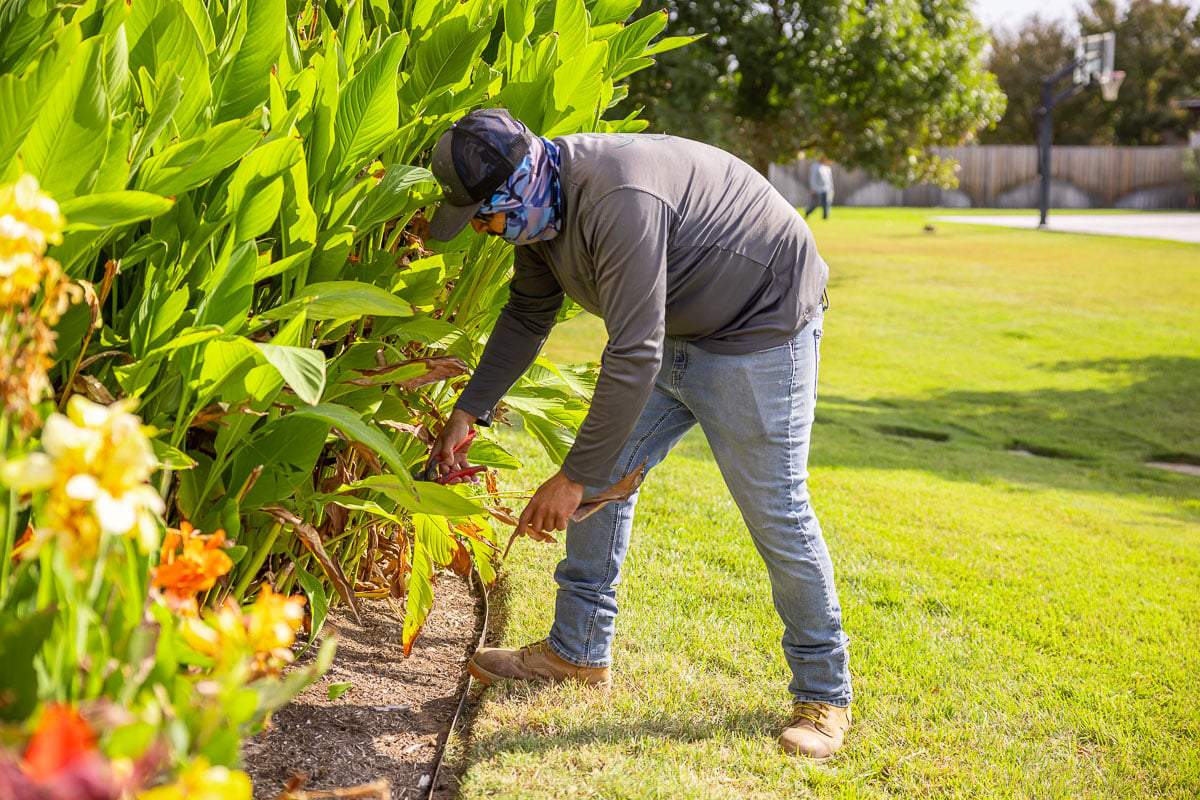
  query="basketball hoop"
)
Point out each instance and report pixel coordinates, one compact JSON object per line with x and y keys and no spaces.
{"x":1111,"y":85}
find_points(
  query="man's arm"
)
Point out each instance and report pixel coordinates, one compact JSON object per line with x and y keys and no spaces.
{"x":629,"y":231}
{"x":534,"y":300}
{"x":533,"y":303}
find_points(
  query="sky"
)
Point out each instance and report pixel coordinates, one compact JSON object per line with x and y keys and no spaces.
{"x":1010,"y":14}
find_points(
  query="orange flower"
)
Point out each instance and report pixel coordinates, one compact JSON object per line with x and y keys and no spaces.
{"x":61,"y":740}
{"x":190,"y":564}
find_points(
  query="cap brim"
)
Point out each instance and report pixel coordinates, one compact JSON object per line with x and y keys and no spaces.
{"x":448,"y":221}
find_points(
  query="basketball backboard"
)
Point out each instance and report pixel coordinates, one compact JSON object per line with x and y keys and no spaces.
{"x":1094,"y":56}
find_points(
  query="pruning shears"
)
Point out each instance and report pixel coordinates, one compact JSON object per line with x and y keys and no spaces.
{"x":431,"y":472}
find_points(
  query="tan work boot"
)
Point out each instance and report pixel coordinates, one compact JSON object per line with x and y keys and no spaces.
{"x":815,"y":731}
{"x":533,"y":662}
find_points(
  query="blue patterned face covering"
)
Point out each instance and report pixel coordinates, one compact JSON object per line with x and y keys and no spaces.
{"x":531,"y":199}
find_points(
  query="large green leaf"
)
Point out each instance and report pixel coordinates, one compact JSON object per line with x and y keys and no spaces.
{"x":389,"y":199}
{"x":422,"y":497}
{"x":604,"y":12}
{"x":444,"y":60}
{"x":297,"y":220}
{"x":188,"y":164}
{"x":156,"y":316}
{"x":631,"y":42}
{"x":111,"y":209}
{"x":68,"y":141}
{"x":525,"y":95}
{"x":245,"y":82}
{"x":163,"y":108}
{"x":571,"y":25}
{"x":341,"y":300}
{"x":257,"y":188}
{"x":302,"y":369}
{"x":320,"y":142}
{"x":116,"y":57}
{"x":578,"y":84}
{"x":518,"y":22}
{"x":164,"y":41}
{"x":555,"y":439}
{"x":222,"y":359}
{"x":228,"y":301}
{"x":420,"y":595}
{"x":367,"y":110}
{"x":23,"y":26}
{"x":22,"y":98}
{"x":353,"y":426}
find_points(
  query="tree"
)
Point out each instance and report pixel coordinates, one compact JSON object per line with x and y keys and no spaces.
{"x":867,"y":83}
{"x":1158,"y":48}
{"x":1021,"y":61}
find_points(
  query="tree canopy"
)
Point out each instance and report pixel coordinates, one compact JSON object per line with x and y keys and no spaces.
{"x":1158,"y":48}
{"x":868,"y":83}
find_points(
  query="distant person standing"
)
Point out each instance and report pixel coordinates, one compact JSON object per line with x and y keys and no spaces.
{"x":820,"y":185}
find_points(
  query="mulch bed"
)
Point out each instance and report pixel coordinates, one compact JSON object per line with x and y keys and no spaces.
{"x":393,"y":720}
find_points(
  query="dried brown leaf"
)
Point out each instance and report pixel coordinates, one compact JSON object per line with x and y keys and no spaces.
{"x":460,"y":562}
{"x":312,"y":540}
{"x":503,"y":514}
{"x":93,"y":389}
{"x":619,"y":492}
{"x":438,"y":368}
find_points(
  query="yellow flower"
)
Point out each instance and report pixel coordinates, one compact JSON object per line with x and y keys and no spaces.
{"x":220,"y":635}
{"x":263,"y":631}
{"x":203,"y":782}
{"x":273,"y":619}
{"x":95,"y":472}
{"x":29,"y":214}
{"x":29,"y":221}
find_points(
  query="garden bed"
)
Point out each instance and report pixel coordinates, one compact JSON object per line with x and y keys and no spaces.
{"x":392,"y":721}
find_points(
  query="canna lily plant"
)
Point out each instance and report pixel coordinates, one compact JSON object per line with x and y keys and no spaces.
{"x":108,"y":664}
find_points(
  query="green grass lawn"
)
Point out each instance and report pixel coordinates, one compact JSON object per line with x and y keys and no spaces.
{"x":1021,"y":625}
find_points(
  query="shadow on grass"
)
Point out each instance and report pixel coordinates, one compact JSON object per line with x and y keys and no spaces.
{"x":683,"y":727}
{"x":1095,"y":438}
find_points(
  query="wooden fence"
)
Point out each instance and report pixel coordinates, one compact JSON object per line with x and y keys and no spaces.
{"x":1006,"y":176}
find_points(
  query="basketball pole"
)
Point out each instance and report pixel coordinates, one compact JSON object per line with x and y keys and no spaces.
{"x":1045,"y":117}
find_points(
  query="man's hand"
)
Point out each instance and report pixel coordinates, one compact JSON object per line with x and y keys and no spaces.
{"x":550,"y":508}
{"x":454,"y":434}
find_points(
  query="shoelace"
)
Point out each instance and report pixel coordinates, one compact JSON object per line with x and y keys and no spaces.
{"x":535,"y":647}
{"x":812,"y":712}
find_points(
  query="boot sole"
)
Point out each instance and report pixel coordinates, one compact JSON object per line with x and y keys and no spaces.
{"x":482,"y":675}
{"x":487,"y":678}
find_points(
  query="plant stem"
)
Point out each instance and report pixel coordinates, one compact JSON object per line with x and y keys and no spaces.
{"x":255,"y":565}
{"x":9,"y":517}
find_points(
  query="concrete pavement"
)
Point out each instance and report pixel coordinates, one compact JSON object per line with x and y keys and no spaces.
{"x":1179,"y":227}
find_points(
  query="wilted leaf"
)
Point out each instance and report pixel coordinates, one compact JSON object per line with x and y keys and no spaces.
{"x":438,"y":368}
{"x":503,"y":514}
{"x":460,"y":563}
{"x":312,"y":540}
{"x":619,"y":492}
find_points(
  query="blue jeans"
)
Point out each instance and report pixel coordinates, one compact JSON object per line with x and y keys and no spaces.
{"x":756,"y":410}
{"x":822,"y":199}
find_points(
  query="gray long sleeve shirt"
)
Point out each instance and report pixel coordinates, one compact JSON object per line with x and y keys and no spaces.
{"x":660,"y":236}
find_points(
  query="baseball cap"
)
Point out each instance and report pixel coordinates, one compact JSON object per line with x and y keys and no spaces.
{"x":471,"y":161}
